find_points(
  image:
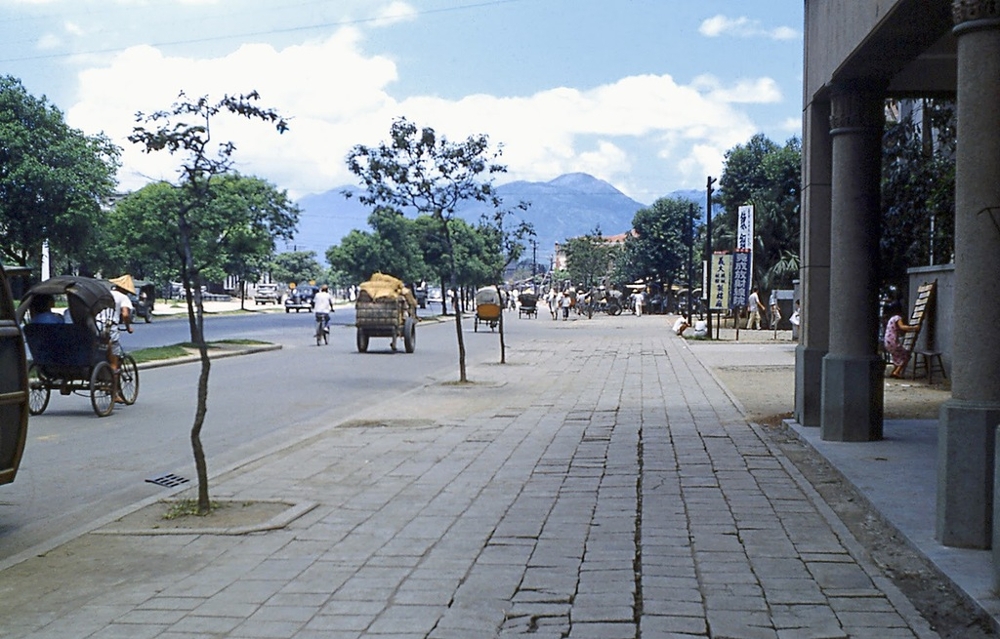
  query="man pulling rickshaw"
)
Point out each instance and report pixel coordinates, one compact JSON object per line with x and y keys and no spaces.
{"x":81,"y":355}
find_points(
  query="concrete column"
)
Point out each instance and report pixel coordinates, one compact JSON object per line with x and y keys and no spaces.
{"x":852,"y":393}
{"x":968,"y":422}
{"x":814,"y":272}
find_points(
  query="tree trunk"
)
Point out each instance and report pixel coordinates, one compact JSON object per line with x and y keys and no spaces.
{"x":196,"y":319}
{"x":503,"y":346}
{"x":462,"y":378}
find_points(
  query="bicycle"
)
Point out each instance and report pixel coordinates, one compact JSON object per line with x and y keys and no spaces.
{"x":322,"y":329}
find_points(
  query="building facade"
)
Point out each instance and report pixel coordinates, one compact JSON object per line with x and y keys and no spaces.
{"x":857,"y":54}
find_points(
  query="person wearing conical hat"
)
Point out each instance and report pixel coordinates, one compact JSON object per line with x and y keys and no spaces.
{"x":115,"y":320}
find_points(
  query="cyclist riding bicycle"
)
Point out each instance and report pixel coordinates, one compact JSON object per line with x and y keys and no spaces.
{"x":323,"y":306}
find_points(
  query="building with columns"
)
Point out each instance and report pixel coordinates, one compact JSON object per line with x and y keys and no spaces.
{"x":857,"y":54}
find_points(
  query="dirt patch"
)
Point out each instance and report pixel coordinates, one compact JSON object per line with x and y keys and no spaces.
{"x":767,"y":394}
{"x":227,"y":518}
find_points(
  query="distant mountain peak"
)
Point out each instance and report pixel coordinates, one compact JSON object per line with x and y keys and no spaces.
{"x":584,"y":183}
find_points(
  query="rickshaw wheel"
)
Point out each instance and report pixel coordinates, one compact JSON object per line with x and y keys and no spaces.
{"x":128,"y":379}
{"x":102,"y":389}
{"x":38,"y":391}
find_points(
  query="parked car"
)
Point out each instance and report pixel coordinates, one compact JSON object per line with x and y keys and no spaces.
{"x":266,"y":294}
{"x":299,"y":299}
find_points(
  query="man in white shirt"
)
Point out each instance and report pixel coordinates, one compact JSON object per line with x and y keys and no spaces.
{"x":323,"y":306}
{"x":112,"y":321}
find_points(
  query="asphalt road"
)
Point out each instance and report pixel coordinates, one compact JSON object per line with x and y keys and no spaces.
{"x":78,"y":468}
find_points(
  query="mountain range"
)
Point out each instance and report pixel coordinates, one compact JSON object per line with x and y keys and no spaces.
{"x":568,"y":206}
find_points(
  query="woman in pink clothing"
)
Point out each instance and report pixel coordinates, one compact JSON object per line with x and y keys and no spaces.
{"x":894,"y":330}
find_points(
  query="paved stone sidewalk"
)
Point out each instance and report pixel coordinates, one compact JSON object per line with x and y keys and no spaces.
{"x":600,"y":485}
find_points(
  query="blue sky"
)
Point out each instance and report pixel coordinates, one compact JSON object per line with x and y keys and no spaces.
{"x":645,"y":94}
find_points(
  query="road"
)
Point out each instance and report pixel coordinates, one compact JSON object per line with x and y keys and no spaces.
{"x":78,"y":468}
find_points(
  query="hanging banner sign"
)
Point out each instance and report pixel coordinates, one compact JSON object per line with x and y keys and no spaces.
{"x":744,"y":233}
{"x":744,"y":229}
{"x":722,"y":274}
{"x":741,"y":279}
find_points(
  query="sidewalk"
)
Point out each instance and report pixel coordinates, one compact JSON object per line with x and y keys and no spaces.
{"x":602,"y":484}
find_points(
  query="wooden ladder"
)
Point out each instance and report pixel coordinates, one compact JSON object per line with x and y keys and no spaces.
{"x":927,"y":362}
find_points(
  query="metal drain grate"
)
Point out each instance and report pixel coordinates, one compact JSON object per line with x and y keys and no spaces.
{"x":168,"y":481}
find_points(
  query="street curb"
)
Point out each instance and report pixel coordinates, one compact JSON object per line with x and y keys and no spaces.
{"x":226,"y":351}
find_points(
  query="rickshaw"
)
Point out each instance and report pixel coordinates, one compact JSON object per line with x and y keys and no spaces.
{"x":527,"y":305}
{"x":144,"y":299}
{"x":72,"y":357}
{"x":488,"y":307}
{"x":13,"y":376}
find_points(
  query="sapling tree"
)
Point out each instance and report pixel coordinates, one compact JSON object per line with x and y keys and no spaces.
{"x":419,"y":169}
{"x":185,"y":130}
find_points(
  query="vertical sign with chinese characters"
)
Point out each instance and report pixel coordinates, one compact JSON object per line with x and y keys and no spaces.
{"x":741,"y":279}
{"x":722,"y":271}
{"x":744,"y":232}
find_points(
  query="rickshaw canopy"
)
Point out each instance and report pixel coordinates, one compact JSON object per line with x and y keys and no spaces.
{"x":487,"y":295}
{"x":86,"y":296}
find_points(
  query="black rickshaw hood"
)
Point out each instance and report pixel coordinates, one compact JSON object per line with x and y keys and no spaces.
{"x":87,"y":296}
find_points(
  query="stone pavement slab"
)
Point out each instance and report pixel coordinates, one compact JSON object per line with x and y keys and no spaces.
{"x":601,"y":484}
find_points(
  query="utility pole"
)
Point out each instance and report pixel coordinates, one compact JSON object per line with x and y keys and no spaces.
{"x":690,"y":265}
{"x":534,"y":268}
{"x":708,"y":251}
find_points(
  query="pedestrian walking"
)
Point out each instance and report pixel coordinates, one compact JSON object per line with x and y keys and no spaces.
{"x":754,"y":307}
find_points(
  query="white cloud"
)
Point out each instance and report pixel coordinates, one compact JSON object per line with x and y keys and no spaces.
{"x":48,"y":42}
{"x":395,"y":12}
{"x":743,"y":27}
{"x":337,"y":97}
{"x":745,"y":91}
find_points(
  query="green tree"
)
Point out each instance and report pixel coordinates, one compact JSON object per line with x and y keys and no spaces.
{"x":53,"y":180}
{"x":589,"y":258}
{"x":139,"y":237}
{"x":422,"y":170}
{"x":918,"y":191}
{"x":185,"y":130}
{"x":658,"y":248}
{"x":392,"y":247}
{"x":769,"y":177}
{"x":234,"y":235}
{"x":506,"y":241}
{"x":294,"y":267}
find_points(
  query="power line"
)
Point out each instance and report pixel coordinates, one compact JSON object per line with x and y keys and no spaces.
{"x":268,"y":32}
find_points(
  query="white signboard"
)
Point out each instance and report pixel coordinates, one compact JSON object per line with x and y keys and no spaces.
{"x":722,"y":275}
{"x":744,"y":229}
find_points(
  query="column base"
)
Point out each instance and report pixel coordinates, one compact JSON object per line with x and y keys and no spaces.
{"x":965,"y":473}
{"x":852,"y":399}
{"x":808,"y":385}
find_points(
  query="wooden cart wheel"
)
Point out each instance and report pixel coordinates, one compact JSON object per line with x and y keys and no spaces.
{"x":410,"y":334}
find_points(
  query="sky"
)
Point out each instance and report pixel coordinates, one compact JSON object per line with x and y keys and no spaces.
{"x":647,"y":95}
